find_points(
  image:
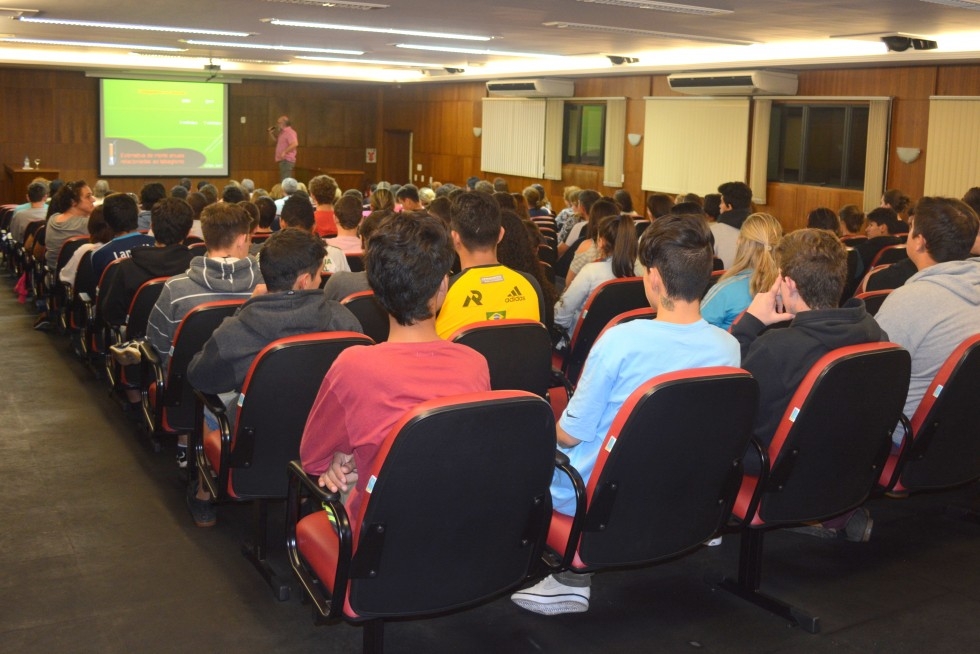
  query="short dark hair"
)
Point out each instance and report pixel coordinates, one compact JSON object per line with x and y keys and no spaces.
{"x":185,"y":182}
{"x":687,"y":208}
{"x":406,"y":261}
{"x":267,"y":211}
{"x":323,"y":188}
{"x":287,"y":254}
{"x":198,"y":202}
{"x":949,"y":227}
{"x":712,"y":205}
{"x":587,"y":197}
{"x":852,"y":216}
{"x":121,"y":212}
{"x":171,"y":219}
{"x":297,"y":212}
{"x":179,"y":192}
{"x":885,"y":216}
{"x":253,"y":213}
{"x":440,"y":208}
{"x":233,"y":194}
{"x":222,"y":223}
{"x":150,"y":194}
{"x":737,"y":195}
{"x":210,"y":192}
{"x":37,"y":191}
{"x":348,"y":212}
{"x":679,"y":247}
{"x":659,"y":204}
{"x":824,"y":218}
{"x":972,"y":199}
{"x":817,"y":261}
{"x":409,"y":191}
{"x":475,"y":216}
{"x":896,"y":200}
{"x":624,"y":200}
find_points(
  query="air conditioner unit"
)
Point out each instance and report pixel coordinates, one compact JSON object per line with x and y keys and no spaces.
{"x":742,"y":82}
{"x":532,"y":88}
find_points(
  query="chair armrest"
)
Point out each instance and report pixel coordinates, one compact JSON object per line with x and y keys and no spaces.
{"x":218,"y":487}
{"x":563,"y":465}
{"x":558,"y":378}
{"x":905,"y":452}
{"x":760,"y":487}
{"x":309,"y":483}
{"x":151,"y":371}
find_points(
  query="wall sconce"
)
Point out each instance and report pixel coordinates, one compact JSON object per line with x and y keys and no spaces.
{"x":477,"y":132}
{"x":908,"y":155}
{"x":634,"y":139}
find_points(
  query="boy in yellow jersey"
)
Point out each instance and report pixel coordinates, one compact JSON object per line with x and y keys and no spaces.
{"x":485,"y":290}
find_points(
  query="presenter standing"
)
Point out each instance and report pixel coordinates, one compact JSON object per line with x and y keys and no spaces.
{"x":286,"y":144}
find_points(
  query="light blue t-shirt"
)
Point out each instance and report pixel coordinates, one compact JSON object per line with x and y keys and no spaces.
{"x":727,"y":299}
{"x":625,"y":357}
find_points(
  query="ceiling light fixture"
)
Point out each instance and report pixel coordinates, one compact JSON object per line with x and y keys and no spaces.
{"x":585,"y":27}
{"x":94,"y":44}
{"x":663,"y":6}
{"x":323,"y":4}
{"x":959,"y":4}
{"x":478,"y":51}
{"x":376,"y":30}
{"x":266,"y":46}
{"x":128,"y":26}
{"x":375,"y":62}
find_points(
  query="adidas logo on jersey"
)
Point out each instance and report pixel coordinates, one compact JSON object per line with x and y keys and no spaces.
{"x":515,"y":295}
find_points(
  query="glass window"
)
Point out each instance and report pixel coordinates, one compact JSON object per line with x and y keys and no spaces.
{"x":583,"y":141}
{"x":819,"y":145}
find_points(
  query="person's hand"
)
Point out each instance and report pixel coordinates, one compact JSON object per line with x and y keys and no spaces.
{"x":341,"y":474}
{"x":767,"y":306}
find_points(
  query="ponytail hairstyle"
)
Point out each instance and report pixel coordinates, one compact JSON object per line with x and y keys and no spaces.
{"x":619,"y":237}
{"x":757,"y":240}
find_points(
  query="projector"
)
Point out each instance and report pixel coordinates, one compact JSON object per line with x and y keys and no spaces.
{"x":212,"y":68}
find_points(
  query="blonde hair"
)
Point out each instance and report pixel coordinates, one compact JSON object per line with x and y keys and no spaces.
{"x":757,"y":241}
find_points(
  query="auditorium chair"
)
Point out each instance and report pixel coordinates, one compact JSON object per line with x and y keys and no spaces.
{"x":355,"y":260}
{"x":608,"y":300}
{"x":873,"y":299}
{"x":246,"y":458}
{"x":370,"y":313}
{"x":134,"y":328}
{"x":890,"y":254}
{"x":941,"y":447}
{"x":462,"y":533}
{"x":666,"y":476}
{"x":57,"y":290}
{"x":518,"y":353}
{"x":862,"y":287}
{"x":824,"y":458}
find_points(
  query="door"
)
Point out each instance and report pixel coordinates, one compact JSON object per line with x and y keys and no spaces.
{"x":396,"y":157}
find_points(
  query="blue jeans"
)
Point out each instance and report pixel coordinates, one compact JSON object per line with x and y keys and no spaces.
{"x":286,"y":169}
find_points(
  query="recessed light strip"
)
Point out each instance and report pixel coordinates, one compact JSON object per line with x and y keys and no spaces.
{"x":959,"y":4}
{"x":584,"y":27}
{"x":262,"y":46}
{"x":128,"y":26}
{"x":378,"y":30}
{"x":375,"y":62}
{"x":340,"y":4}
{"x":93,"y":44}
{"x":671,"y":7}
{"x":478,"y":51}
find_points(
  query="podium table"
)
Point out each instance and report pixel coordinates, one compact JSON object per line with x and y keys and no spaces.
{"x":17,"y":178}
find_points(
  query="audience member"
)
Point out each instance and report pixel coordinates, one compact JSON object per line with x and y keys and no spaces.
{"x":37,"y":209}
{"x":900,"y":203}
{"x":324,"y":191}
{"x":122,"y":215}
{"x":150,"y":194}
{"x":518,"y":250}
{"x":852,"y":220}
{"x":824,"y":218}
{"x":408,"y":197}
{"x":99,"y":233}
{"x":298,"y":212}
{"x":712,"y":206}
{"x":735,"y":207}
{"x":344,"y":283}
{"x":233,"y":194}
{"x":348,"y":214}
{"x":567,"y":216}
{"x":881,"y":228}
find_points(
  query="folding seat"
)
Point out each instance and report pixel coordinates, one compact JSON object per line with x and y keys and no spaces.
{"x":460,"y":534}
{"x":608,"y":300}
{"x":890,"y":254}
{"x":133,"y":329}
{"x":56,"y":289}
{"x":518,"y":353}
{"x":824,"y":459}
{"x":873,"y":299}
{"x":371,"y":315}
{"x":941,"y":448}
{"x":862,"y":287}
{"x":667,"y":474}
{"x":646,"y":313}
{"x":168,"y":398}
{"x":715,"y":276}
{"x":355,"y":260}
{"x":853,"y":239}
{"x":246,"y":458}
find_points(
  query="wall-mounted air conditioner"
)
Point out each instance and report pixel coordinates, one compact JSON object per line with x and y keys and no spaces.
{"x":742,"y":82}
{"x":532,"y":88}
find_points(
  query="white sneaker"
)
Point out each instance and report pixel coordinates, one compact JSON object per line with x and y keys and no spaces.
{"x":551,"y":597}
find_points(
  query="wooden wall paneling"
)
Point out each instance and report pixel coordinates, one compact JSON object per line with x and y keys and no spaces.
{"x":910,"y":128}
{"x":958,"y":80}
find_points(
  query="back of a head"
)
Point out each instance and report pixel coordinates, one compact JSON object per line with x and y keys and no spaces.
{"x":348,"y":212}
{"x":248,"y":185}
{"x":471,"y":182}
{"x":679,"y":247}
{"x":712,"y":205}
{"x":382,"y":199}
{"x":101,"y":188}
{"x":426,"y":196}
{"x":972,"y":199}
{"x":222,"y":223}
{"x":483,"y":186}
{"x":738,"y":195}
{"x":185,"y":182}
{"x":533,"y":197}
{"x":121,"y":213}
{"x":659,"y":204}
{"x":233,"y":194}
{"x":505,"y":200}
{"x":67,"y":195}
{"x":406,"y":261}
{"x":253,"y":214}
{"x":197,"y":202}
{"x":852,"y":217}
{"x":355,"y":193}
{"x":619,"y":237}
{"x":267,"y":211}
{"x":210,"y":192}
{"x":897,"y":200}
{"x":171,"y":220}
{"x":624,"y":200}
{"x":440,"y":208}
{"x":588,"y":197}
{"x":817,"y":261}
{"x":500,"y":185}
{"x":37,"y":191}
{"x":408,"y":192}
{"x":297,"y":212}
{"x":515,"y":249}
{"x":683,"y":208}
{"x":201,"y":183}
{"x":371,"y":222}
{"x":286,"y":255}
{"x":757,"y":240}
{"x":323,"y":188}
{"x":949,"y":227}
{"x":179,"y":192}
{"x":150,"y":194}
{"x":600,"y":209}
{"x":475,"y":216}
{"x":98,"y":229}
{"x":289,"y":185}
{"x":570,"y":194}
{"x":824,"y":218}
{"x":885,"y":216}
{"x":690,"y":197}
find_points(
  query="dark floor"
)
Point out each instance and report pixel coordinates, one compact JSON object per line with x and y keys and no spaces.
{"x":98,"y":554}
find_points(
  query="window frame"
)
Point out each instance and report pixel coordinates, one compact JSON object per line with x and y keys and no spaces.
{"x":576,"y":159}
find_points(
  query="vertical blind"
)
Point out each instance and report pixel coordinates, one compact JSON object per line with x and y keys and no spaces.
{"x":513,"y":141}
{"x":952,"y":153}
{"x":879,"y":115}
{"x":691,"y":145}
{"x":759,"y":166}
{"x":612,"y":173}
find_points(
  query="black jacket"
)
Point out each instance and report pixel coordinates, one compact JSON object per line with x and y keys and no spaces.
{"x":143,"y":265}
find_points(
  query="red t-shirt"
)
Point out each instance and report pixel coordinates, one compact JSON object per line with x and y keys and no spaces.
{"x":369,"y":388}
{"x":326,"y":223}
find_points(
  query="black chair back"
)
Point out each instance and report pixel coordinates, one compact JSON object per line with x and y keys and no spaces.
{"x":370,"y":313}
{"x":873,"y":299}
{"x":141,"y":307}
{"x":518,"y":353}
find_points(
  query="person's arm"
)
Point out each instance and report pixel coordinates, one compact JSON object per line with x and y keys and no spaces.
{"x":160,"y":327}
{"x":569,"y":306}
{"x":580,"y":420}
{"x":209,"y":371}
{"x":766,"y":309}
{"x":325,"y":449}
{"x":292,"y":144}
